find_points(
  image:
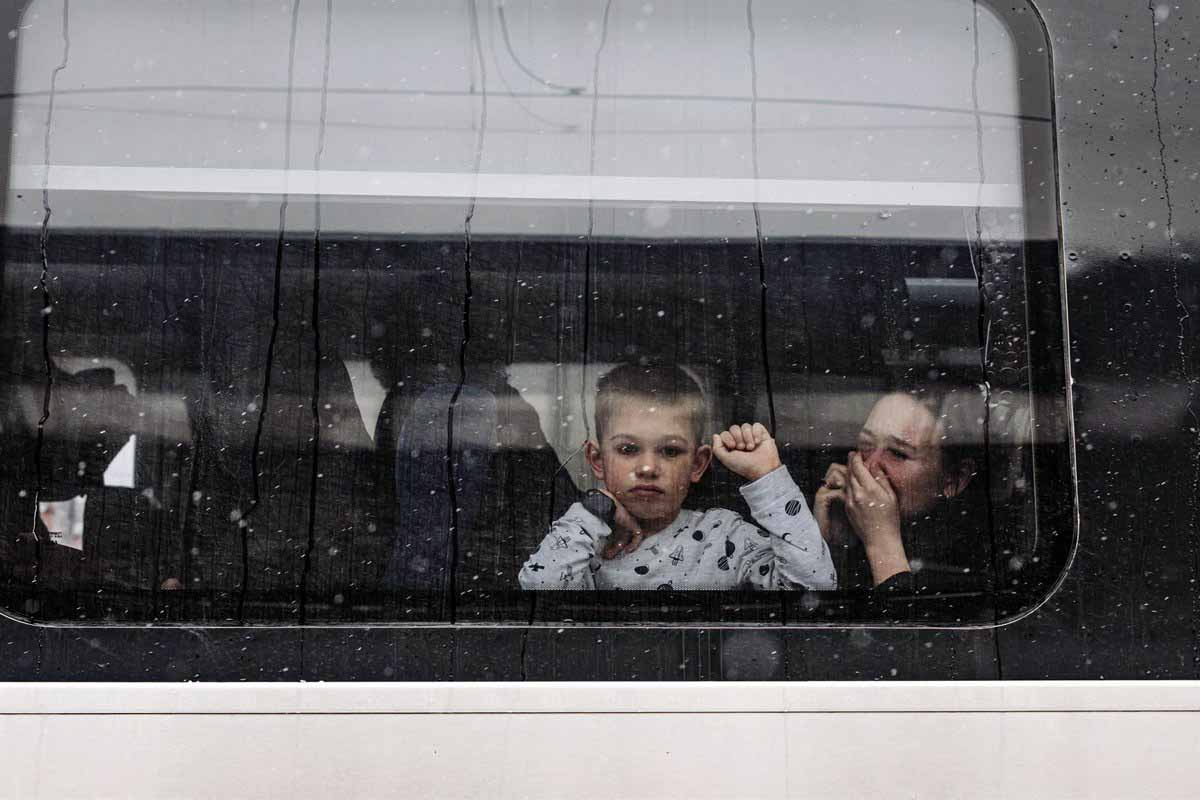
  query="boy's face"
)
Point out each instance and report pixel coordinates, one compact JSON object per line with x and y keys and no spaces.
{"x":649,"y":459}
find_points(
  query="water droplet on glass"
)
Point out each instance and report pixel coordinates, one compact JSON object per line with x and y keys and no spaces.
{"x":657,"y":215}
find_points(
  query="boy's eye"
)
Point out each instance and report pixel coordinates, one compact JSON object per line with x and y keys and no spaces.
{"x":900,"y":454}
{"x":671,"y":451}
{"x":627,"y":449}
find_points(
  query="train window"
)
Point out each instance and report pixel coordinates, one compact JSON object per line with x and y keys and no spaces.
{"x":347,"y":311}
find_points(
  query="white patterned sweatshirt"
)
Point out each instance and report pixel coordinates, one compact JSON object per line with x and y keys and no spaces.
{"x":715,"y":549}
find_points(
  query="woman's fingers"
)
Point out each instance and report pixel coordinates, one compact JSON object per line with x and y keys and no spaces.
{"x":835,"y":476}
{"x":859,"y":480}
{"x":859,"y":470}
{"x":865,"y":489}
{"x":853,"y":490}
{"x":886,"y":487}
{"x":828,"y":496}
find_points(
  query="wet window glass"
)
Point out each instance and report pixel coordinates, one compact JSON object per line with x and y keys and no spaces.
{"x":365,"y":311}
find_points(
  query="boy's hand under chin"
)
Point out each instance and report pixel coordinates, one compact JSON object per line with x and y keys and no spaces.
{"x":747,"y":450}
{"x":627,"y":533}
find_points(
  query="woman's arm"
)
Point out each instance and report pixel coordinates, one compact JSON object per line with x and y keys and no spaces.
{"x":874,"y":515}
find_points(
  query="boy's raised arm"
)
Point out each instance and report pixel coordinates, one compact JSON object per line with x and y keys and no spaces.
{"x":567,"y":557}
{"x":798,"y":555}
{"x":747,"y":449}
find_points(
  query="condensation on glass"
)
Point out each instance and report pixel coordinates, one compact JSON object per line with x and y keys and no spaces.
{"x":304,"y":304}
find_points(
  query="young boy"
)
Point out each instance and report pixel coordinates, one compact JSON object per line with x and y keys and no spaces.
{"x":648,"y":451}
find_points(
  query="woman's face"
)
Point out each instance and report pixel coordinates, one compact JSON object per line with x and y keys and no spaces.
{"x":901,"y":440}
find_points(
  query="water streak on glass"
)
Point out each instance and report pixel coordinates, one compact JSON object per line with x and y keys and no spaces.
{"x":244,"y":520}
{"x":758,"y":232}
{"x":315,"y":448}
{"x":44,"y":278}
{"x":589,"y":244}
{"x":451,"y":482}
{"x":521,"y":64}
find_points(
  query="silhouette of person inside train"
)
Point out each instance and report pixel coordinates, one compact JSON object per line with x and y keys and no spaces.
{"x":650,"y":448}
{"x":67,"y":462}
{"x":468,"y":474}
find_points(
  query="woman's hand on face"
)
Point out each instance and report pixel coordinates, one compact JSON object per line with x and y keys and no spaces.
{"x":830,"y":506}
{"x":874,"y":514}
{"x":871,"y":504}
{"x":626,"y":535}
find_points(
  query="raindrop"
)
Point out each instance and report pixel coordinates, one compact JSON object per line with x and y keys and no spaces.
{"x":657,"y":215}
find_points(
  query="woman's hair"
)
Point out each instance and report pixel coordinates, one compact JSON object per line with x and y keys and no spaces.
{"x":983,"y":435}
{"x":962,"y":419}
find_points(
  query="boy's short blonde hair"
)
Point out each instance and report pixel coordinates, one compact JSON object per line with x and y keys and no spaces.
{"x":659,"y":384}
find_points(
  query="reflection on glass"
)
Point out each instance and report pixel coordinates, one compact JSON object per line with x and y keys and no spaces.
{"x":376,"y":390}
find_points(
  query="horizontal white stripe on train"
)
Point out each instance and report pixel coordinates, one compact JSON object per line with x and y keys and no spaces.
{"x":598,"y":698}
{"x":500,"y":186}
